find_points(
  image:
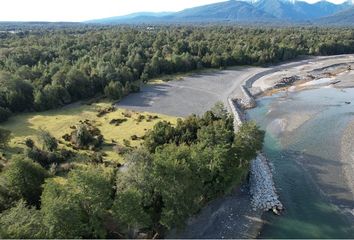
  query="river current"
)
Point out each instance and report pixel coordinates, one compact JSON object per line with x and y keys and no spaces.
{"x":303,"y":144}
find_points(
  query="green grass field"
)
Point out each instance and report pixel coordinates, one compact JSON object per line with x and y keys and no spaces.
{"x":58,"y":123}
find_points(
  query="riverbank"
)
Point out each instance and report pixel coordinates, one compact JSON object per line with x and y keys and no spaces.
{"x":327,"y":74}
{"x":347,"y":156}
{"x":196,"y":94}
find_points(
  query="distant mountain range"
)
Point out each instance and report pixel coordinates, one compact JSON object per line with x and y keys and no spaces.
{"x":248,"y":11}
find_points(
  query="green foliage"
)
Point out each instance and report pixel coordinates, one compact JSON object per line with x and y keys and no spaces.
{"x":83,"y":136}
{"x":21,"y":222}
{"x":44,"y":158}
{"x":216,"y":134}
{"x":85,"y":61}
{"x":4,"y":114}
{"x":49,"y":143}
{"x":248,"y":140}
{"x":15,"y":94}
{"x":24,"y":179}
{"x":87,"y":136}
{"x":5,"y":136}
{"x":161,"y":134}
{"x":114,"y":90}
{"x":62,"y":216}
{"x":128,"y":209}
{"x":177,"y":184}
{"x":78,"y":207}
{"x":52,"y":96}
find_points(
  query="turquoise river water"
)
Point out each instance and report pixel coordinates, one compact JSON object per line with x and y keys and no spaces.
{"x":303,"y":145}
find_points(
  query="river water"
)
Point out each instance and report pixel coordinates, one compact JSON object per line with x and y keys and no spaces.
{"x":303,"y":144}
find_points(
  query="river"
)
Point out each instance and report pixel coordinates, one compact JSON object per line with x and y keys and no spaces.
{"x":303,"y":144}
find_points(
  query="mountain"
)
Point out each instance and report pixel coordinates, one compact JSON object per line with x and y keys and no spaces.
{"x":234,"y":11}
{"x":246,"y":11}
{"x":298,"y":11}
{"x":342,"y":18}
{"x":130,"y":17}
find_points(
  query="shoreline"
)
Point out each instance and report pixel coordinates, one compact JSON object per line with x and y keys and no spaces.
{"x":347,"y":157}
{"x":197,"y":92}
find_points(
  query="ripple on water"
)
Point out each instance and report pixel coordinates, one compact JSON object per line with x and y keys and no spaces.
{"x":306,"y":158}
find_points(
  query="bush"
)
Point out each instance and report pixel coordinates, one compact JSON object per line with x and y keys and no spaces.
{"x":49,"y":142}
{"x":5,"y":136}
{"x":4,"y":114}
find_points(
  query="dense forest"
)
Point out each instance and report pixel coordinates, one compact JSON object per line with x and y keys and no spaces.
{"x":42,"y":69}
{"x":178,"y":170}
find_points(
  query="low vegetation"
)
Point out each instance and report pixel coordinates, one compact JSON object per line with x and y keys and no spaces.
{"x":177,"y":169}
{"x":80,"y":128}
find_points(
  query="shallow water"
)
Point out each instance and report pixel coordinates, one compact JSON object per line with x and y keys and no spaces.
{"x":303,"y":144}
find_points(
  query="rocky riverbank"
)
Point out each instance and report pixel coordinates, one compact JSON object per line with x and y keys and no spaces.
{"x":262,"y":188}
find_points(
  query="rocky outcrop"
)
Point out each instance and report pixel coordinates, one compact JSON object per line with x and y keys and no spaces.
{"x":262,"y":187}
{"x":286,"y":81}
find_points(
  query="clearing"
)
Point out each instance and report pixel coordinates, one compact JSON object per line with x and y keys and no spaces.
{"x":59,"y":121}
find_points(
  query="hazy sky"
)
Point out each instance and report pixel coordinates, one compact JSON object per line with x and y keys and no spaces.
{"x":80,"y":10}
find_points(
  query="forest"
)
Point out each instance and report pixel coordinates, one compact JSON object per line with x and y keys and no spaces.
{"x":45,"y":68}
{"x":178,"y":169}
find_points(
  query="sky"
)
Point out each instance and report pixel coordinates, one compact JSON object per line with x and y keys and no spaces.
{"x":81,"y":10}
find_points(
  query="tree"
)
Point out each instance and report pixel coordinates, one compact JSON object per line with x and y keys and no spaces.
{"x":114,"y":90}
{"x":63,"y":217}
{"x":5,"y":136}
{"x":216,"y":134}
{"x":76,"y":208}
{"x":177,"y":184}
{"x":48,"y":141}
{"x":248,"y":140}
{"x":21,"y":222}
{"x":161,"y":134}
{"x":25,"y":178}
{"x":128,"y":209}
{"x":18,"y":94}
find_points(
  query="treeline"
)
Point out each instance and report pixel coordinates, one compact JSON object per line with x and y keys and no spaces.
{"x":45,"y":69}
{"x":177,"y":171}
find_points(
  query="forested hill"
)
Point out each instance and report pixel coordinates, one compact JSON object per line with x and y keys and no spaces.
{"x":238,"y":11}
{"x":46,"y":69}
{"x":340,"y":18}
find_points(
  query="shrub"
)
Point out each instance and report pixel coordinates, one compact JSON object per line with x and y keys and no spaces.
{"x":49,"y":142}
{"x":4,"y":114}
{"x":5,"y":136}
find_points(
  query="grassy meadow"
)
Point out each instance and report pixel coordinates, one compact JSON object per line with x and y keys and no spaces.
{"x":59,"y":121}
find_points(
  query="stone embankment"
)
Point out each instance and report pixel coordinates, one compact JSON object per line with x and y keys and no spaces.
{"x":236,"y":112}
{"x":262,"y":186}
{"x":247,"y":99}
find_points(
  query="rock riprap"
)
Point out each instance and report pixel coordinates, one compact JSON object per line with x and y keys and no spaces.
{"x":262,"y":187}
